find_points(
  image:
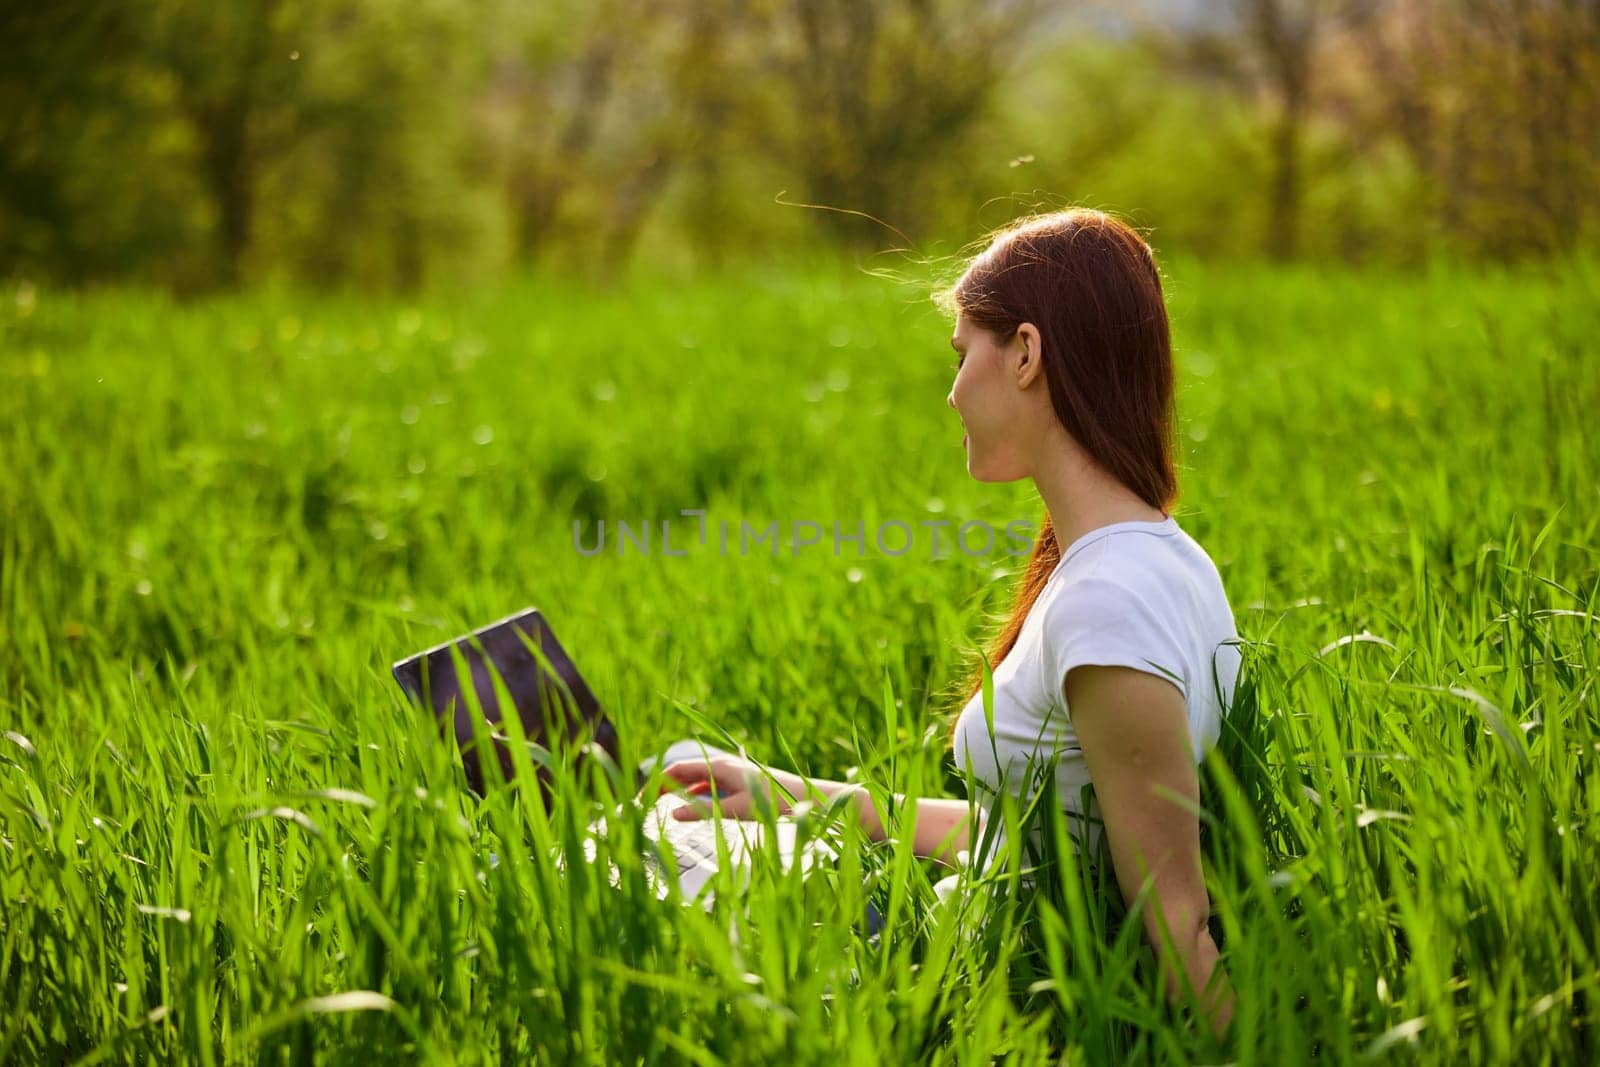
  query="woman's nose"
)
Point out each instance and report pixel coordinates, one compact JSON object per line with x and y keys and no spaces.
{"x":951,"y":400}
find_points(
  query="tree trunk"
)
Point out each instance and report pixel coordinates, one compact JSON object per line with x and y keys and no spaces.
{"x":1286,"y":34}
{"x":222,"y":121}
{"x":229,"y":177}
{"x":1283,"y":218}
{"x":538,"y":196}
{"x":632,"y":205}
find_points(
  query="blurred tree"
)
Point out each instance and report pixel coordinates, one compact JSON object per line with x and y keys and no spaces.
{"x":1269,"y":48}
{"x":78,"y":103}
{"x":1110,"y":125}
{"x":385,"y":146}
{"x":240,"y":89}
{"x":866,"y":99}
{"x":386,"y":142}
{"x":596,"y":108}
{"x":551,"y":88}
{"x":696,"y":85}
{"x":1498,"y":102}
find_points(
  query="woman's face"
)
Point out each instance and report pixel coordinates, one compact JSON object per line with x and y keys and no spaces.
{"x":992,"y":401}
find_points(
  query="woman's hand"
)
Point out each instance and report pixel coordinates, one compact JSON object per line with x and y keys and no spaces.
{"x":940,"y":831}
{"x":737,"y":784}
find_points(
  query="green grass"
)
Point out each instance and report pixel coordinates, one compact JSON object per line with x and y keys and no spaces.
{"x":222,"y":837}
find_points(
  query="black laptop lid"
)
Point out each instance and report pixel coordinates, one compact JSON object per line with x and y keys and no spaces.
{"x":550,"y":697}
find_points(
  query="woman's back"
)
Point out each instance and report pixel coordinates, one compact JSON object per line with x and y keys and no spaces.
{"x":1143,"y":595}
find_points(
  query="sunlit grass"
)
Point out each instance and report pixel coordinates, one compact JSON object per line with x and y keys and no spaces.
{"x":225,"y":838}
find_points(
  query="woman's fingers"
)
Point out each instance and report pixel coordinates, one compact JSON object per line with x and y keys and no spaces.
{"x":688,"y":771}
{"x":696,"y":774}
{"x":729,"y":776}
{"x":730,"y":783}
{"x":690,"y":812}
{"x":731,"y":805}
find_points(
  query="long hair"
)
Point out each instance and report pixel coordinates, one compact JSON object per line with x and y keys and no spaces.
{"x":1091,"y":287}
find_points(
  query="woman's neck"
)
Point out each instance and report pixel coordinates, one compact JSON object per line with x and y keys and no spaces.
{"x":1081,"y":496}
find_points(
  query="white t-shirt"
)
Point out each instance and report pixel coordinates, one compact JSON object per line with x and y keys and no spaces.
{"x":1134,"y":594}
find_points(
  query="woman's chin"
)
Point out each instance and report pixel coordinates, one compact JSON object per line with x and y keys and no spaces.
{"x":981,"y":472}
{"x":981,"y":468}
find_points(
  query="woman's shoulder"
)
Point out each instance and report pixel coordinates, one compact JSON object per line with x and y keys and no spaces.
{"x":1160,"y":569}
{"x":1138,"y":586}
{"x":1115,"y":567}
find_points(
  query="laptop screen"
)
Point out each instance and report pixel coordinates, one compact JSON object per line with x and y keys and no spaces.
{"x":541,"y":682}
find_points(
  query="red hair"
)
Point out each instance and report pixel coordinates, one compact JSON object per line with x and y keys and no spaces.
{"x":1091,"y":287}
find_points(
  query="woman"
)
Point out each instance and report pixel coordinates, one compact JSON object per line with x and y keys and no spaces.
{"x":1117,"y":662}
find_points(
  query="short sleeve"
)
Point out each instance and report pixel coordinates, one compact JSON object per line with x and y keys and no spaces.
{"x":1100,"y":622}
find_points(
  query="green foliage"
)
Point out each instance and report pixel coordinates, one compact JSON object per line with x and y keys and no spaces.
{"x":224,"y":839}
{"x":380,"y":145}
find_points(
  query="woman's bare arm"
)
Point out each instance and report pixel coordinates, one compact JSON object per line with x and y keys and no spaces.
{"x":1133,"y":728}
{"x":942,"y":826}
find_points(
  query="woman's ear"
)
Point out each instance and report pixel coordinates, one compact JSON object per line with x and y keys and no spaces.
{"x":1029,"y":364}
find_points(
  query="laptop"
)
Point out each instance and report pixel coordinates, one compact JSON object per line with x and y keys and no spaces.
{"x":540,"y":684}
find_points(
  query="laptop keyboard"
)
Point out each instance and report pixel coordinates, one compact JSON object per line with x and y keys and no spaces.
{"x":693,"y":842}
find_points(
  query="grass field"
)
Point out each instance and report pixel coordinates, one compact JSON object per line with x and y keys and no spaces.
{"x":222,"y":837}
